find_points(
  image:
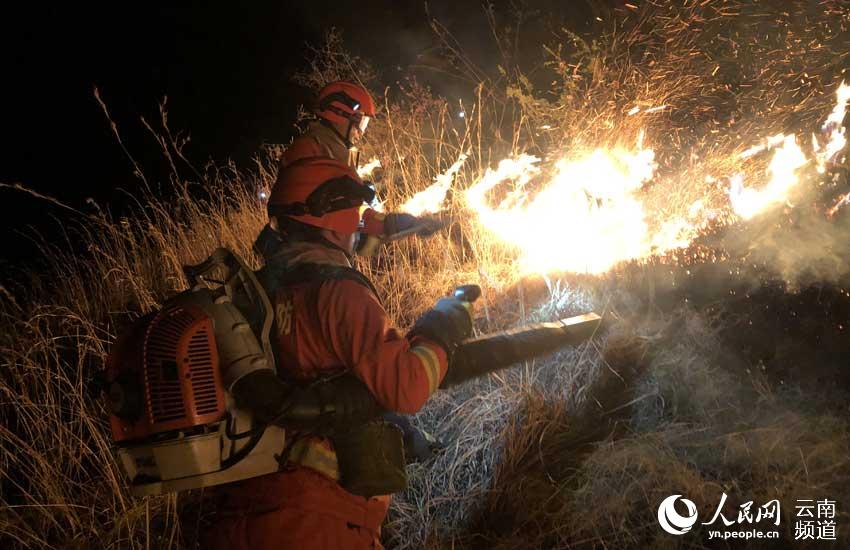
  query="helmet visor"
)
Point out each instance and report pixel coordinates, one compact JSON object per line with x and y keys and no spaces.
{"x":364,"y":122}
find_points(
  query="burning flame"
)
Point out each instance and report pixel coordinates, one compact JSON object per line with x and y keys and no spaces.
{"x":430,"y":200}
{"x":587,"y":217}
{"x":834,"y":127}
{"x":366,"y":170}
{"x":588,"y":212}
{"x":748,"y":201}
{"x":788,"y":159}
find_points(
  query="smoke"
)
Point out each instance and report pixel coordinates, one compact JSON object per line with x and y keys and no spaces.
{"x":813,"y":249}
{"x":798,"y":242}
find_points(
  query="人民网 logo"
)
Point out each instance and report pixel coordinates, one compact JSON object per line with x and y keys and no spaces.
{"x":671,"y":521}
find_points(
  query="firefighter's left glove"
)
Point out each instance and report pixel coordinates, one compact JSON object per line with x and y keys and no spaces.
{"x":400,"y":223}
{"x":429,"y":225}
{"x":448,"y":324}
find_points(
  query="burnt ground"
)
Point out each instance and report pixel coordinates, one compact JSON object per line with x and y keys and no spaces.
{"x":795,"y":334}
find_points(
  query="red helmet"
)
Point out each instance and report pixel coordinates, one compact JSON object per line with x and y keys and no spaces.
{"x":321,"y":192}
{"x":343,"y":102}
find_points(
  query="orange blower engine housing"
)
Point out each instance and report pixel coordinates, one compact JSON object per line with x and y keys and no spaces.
{"x":173,"y":421}
{"x":177,"y":363}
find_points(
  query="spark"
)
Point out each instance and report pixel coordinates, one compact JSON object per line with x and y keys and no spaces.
{"x":844,"y":199}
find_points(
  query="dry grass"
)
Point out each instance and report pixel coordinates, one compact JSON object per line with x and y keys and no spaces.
{"x":573,"y":451}
{"x":582,"y":455}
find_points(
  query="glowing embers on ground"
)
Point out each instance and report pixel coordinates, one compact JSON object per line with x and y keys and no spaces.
{"x":586,"y":217}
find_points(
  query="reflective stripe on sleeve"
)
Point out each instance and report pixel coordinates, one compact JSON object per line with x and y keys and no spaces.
{"x":431,"y":364}
{"x":313,"y":454}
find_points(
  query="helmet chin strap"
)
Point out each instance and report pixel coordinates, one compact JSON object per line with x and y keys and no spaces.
{"x":346,"y":139}
{"x":348,"y":134}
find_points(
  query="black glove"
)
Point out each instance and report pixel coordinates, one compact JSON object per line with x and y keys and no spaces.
{"x":399,"y":222}
{"x":448,"y":324}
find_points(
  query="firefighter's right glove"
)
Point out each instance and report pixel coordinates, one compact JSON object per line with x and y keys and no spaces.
{"x":448,"y":324}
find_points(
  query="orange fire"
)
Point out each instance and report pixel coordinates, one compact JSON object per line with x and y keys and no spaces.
{"x":585,"y":212}
{"x":586,"y":218}
{"x":431,"y":199}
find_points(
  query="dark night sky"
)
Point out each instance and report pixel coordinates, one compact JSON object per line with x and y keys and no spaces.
{"x":226,"y":68}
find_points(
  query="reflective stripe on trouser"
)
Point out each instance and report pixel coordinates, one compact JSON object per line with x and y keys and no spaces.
{"x":313,"y":454}
{"x":431,"y":364}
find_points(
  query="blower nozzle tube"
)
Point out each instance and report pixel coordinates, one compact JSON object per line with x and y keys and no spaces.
{"x":490,"y":353}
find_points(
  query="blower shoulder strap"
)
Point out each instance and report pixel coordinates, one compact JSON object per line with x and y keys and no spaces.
{"x":323,"y":272}
{"x":272,"y":279}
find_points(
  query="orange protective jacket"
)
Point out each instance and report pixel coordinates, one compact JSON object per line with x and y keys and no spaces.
{"x":324,"y":327}
{"x":321,"y":141}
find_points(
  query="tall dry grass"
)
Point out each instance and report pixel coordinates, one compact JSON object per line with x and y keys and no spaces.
{"x":573,"y":451}
{"x":61,"y":485}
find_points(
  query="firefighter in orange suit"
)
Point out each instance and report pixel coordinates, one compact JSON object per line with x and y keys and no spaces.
{"x":328,"y":320}
{"x":343,"y":112}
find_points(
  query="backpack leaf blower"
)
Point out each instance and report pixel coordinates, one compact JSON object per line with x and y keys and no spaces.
{"x":169,"y":378}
